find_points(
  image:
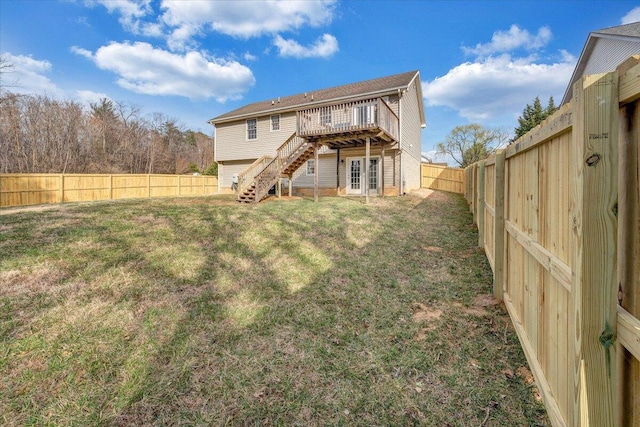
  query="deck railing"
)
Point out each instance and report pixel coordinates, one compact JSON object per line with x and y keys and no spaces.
{"x":348,"y":117}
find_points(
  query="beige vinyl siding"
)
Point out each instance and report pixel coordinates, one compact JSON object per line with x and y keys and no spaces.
{"x":411,"y":135}
{"x":227,"y":169}
{"x":327,"y":173}
{"x":327,"y":169}
{"x":393,"y":102}
{"x":232,"y":143}
{"x":411,"y":178}
{"x":410,"y":122}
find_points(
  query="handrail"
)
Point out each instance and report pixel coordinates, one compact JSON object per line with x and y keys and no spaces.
{"x":247,"y":177}
{"x":291,"y":149}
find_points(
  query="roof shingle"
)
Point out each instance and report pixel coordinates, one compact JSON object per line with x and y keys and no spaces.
{"x":288,"y":103}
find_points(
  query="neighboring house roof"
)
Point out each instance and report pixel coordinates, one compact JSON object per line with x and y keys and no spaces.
{"x":369,"y":88}
{"x":604,"y":50}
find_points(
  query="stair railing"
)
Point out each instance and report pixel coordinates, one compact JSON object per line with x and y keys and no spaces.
{"x":293,"y":147}
{"x":247,"y":177}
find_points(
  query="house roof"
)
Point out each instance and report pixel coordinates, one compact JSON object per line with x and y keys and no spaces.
{"x":368,"y":88}
{"x":627,"y":32}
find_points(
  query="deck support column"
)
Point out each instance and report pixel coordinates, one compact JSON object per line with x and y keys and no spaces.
{"x":290,"y":185}
{"x":315,"y":172}
{"x":381,"y":192}
{"x":279,"y":188}
{"x":338,"y":173}
{"x":366,"y":169}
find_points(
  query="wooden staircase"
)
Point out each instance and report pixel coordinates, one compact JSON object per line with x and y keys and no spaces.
{"x":256,"y":181}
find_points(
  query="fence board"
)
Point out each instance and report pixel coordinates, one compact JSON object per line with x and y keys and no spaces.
{"x":34,"y":189}
{"x":443,"y":178}
{"x":570,"y":250}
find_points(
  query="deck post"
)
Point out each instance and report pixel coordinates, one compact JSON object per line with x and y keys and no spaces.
{"x":382,"y":170}
{"x":279,"y":188}
{"x":366,"y":168}
{"x":290,"y":185}
{"x":338,"y":172}
{"x":315,"y":171}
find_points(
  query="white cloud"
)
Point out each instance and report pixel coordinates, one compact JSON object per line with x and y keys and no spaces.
{"x":144,"y":69}
{"x":632,"y":16}
{"x":89,"y":97}
{"x":246,"y":19}
{"x":130,"y":11}
{"x":249,"y":57}
{"x":498,"y":87}
{"x":323,"y":47}
{"x":29,"y":75}
{"x":508,"y":41}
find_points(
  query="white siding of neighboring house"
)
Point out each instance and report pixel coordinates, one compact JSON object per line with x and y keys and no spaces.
{"x":411,"y":135}
{"x":232,"y":143}
{"x":608,"y":53}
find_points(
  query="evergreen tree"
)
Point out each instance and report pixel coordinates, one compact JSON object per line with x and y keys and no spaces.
{"x":532,"y":116}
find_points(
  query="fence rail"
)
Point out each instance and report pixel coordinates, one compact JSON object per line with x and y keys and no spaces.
{"x":558,"y":216}
{"x":443,"y":178}
{"x":35,"y":189}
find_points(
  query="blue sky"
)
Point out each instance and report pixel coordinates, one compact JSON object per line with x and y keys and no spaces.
{"x":480,"y":61}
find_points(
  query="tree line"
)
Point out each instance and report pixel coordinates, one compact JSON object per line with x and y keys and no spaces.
{"x":468,"y":144}
{"x":39,"y":134}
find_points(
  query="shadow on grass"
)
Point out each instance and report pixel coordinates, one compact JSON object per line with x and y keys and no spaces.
{"x":173,"y":312}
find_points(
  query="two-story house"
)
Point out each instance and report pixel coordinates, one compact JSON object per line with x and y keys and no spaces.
{"x":357,"y":139}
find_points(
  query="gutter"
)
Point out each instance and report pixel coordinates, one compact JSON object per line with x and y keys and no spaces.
{"x":296,"y":107}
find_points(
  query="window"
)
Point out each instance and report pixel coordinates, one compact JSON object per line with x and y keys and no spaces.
{"x":325,"y":116}
{"x":275,"y":122}
{"x":364,"y":115}
{"x":252,"y":129}
{"x":311,"y":167}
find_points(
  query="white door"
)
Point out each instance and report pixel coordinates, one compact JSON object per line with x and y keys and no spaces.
{"x":356,"y":175}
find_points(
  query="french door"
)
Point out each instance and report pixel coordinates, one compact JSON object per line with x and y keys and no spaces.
{"x":356,"y":175}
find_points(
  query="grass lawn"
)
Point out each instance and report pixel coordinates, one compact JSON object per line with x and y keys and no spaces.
{"x":205,"y":312}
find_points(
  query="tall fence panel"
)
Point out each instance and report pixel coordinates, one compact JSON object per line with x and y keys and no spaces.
{"x":443,"y":178}
{"x":35,"y":189}
{"x":558,"y":216}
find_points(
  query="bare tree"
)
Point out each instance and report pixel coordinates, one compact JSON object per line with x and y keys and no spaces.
{"x":468,"y":144}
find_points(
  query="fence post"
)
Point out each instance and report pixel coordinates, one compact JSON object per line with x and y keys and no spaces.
{"x":480,"y":205}
{"x":594,"y":172}
{"x":498,"y":226}
{"x":61,"y":188}
{"x":110,"y":186}
{"x":628,"y":390}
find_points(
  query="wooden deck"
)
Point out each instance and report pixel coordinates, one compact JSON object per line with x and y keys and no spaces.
{"x":349,"y":124}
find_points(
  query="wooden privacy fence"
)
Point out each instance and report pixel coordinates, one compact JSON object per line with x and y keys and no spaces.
{"x":443,"y":178}
{"x":558,"y":215}
{"x":35,"y":189}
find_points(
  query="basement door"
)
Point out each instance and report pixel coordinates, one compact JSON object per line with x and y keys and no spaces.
{"x":356,"y":175}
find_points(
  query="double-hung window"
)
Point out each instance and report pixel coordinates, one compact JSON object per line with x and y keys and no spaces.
{"x":311,"y":167}
{"x":275,"y":122}
{"x":252,"y":129}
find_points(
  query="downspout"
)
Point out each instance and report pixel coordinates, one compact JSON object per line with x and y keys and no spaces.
{"x":401,"y":177}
